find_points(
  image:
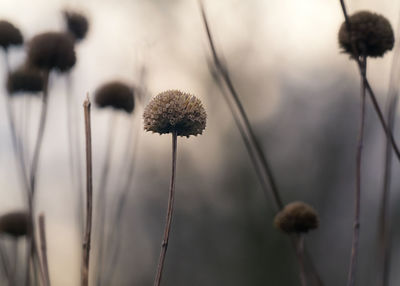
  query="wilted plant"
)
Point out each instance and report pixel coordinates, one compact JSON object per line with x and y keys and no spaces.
{"x":180,"y":114}
{"x":77,"y":24}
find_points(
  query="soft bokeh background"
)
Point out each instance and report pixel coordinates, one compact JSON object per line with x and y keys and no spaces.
{"x":301,"y":95}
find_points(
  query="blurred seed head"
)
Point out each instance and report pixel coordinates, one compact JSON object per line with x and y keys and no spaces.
{"x":9,"y":35}
{"x":52,"y":50}
{"x":174,"y":110}
{"x":117,"y":95}
{"x":296,"y":217}
{"x":77,"y":24}
{"x":15,"y":224}
{"x":372,"y":34}
{"x":25,"y":79}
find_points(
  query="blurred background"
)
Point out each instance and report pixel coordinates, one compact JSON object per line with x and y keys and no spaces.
{"x":302,"y":98}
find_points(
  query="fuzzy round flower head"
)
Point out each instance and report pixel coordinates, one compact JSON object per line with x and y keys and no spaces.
{"x":52,"y":50}
{"x":25,"y":79}
{"x":15,"y":224}
{"x":296,"y":217}
{"x":117,"y":95}
{"x":9,"y":35}
{"x":175,"y":111}
{"x":371,"y":33}
{"x":77,"y":24}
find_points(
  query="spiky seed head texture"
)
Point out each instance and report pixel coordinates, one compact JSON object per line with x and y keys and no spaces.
{"x":117,"y":95}
{"x":296,"y":217}
{"x":52,"y":50}
{"x":77,"y":24}
{"x":9,"y":35}
{"x":15,"y":223}
{"x":174,"y":110}
{"x":372,"y":34}
{"x":25,"y":79}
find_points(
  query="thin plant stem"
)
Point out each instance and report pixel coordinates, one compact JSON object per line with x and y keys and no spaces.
{"x":74,"y":140}
{"x":371,"y":93}
{"x":43,"y":247}
{"x":356,"y":225}
{"x":5,"y":261}
{"x":89,"y":195}
{"x":116,"y":231}
{"x":102,"y":198}
{"x":300,"y":257}
{"x":251,"y":142}
{"x":170,"y":210}
{"x":252,"y":138}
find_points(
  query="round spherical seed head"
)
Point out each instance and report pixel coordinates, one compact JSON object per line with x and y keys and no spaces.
{"x":175,"y":111}
{"x":117,"y":95}
{"x":15,"y":224}
{"x":296,"y":217}
{"x":25,"y":79}
{"x":9,"y":35}
{"x":77,"y":24}
{"x":52,"y":50}
{"x":371,"y":33}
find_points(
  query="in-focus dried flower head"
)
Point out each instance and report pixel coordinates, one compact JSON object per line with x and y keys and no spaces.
{"x":15,"y":224}
{"x":174,"y":110}
{"x":52,"y":50}
{"x":25,"y":79}
{"x":371,"y":33}
{"x":296,"y":217}
{"x":117,"y":95}
{"x":9,"y":35}
{"x":77,"y":24}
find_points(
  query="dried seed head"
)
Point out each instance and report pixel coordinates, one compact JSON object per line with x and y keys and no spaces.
{"x":77,"y":24}
{"x":174,"y":110}
{"x":296,"y":217}
{"x":52,"y":50}
{"x":25,"y":79}
{"x":371,"y":33}
{"x":9,"y":35}
{"x":117,"y":95}
{"x":15,"y":223}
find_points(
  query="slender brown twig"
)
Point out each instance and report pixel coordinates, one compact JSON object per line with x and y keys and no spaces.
{"x":170,"y":210}
{"x":300,"y":257}
{"x":249,"y":130}
{"x":371,"y":93}
{"x":43,"y":247}
{"x":89,"y":194}
{"x":356,"y":225}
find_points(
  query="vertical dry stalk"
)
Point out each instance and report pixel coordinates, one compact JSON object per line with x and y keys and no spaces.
{"x":356,"y":226}
{"x":170,"y":210}
{"x":43,"y":247}
{"x":102,"y":198}
{"x":89,"y":194}
{"x":368,"y":87}
{"x":300,"y":257}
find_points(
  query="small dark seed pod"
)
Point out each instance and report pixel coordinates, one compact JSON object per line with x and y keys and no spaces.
{"x":9,"y":35}
{"x":296,"y":217}
{"x":174,"y":110}
{"x":77,"y":24}
{"x":25,"y":79}
{"x":52,"y":50}
{"x":116,"y":95}
{"x":371,"y":33}
{"x":15,"y":224}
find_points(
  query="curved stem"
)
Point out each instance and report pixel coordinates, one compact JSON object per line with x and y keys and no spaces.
{"x":170,"y":210}
{"x":356,"y":226}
